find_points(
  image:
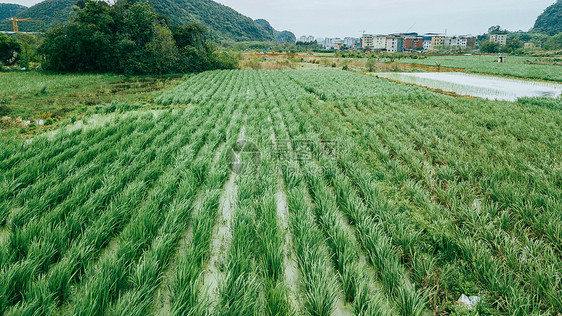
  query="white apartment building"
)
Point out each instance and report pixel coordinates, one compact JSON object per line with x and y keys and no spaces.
{"x":379,"y":42}
{"x":306,"y":39}
{"x":394,"y":44}
{"x":452,"y":41}
{"x":373,"y":41}
{"x":350,"y":41}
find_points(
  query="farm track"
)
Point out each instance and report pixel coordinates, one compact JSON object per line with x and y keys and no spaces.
{"x":425,"y":197}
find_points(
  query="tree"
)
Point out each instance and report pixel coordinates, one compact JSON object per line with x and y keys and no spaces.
{"x":496,"y":29}
{"x":130,"y":38}
{"x":29,"y":54}
{"x":162,"y":51}
{"x":371,"y":65}
{"x":85,"y":44}
{"x":9,"y":49}
{"x":489,"y":47}
{"x":512,"y":46}
{"x":554,"y":42}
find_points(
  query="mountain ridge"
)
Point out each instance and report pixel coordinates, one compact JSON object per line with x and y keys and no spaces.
{"x":550,"y":21}
{"x":280,"y":36}
{"x":9,"y":10}
{"x":223,"y":22}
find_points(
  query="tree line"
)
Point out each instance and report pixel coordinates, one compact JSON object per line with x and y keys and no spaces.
{"x":128,"y":37}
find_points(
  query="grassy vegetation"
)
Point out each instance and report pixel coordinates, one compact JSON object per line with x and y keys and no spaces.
{"x":53,"y":98}
{"x":521,"y":67}
{"x":423,"y":198}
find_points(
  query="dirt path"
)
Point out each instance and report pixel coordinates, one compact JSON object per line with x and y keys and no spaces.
{"x":222,"y":236}
{"x":290,"y":261}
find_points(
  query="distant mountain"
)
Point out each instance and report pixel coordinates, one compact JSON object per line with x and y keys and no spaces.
{"x":223,"y":22}
{"x":280,"y":36}
{"x":8,"y":10}
{"x":50,"y":13}
{"x":550,"y":22}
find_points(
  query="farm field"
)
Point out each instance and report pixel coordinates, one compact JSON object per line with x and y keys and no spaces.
{"x":283,"y":192}
{"x":521,"y":67}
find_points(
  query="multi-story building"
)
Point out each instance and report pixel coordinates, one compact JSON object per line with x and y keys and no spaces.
{"x":306,"y":39}
{"x":498,"y":38}
{"x":413,"y":42}
{"x":461,"y":42}
{"x":394,"y":44}
{"x":350,"y":42}
{"x":367,"y":41}
{"x":529,"y":45}
{"x":451,"y":41}
{"x":437,"y":41}
{"x":467,"y":41}
{"x":379,"y":43}
{"x":426,"y":43}
{"x":374,"y":42}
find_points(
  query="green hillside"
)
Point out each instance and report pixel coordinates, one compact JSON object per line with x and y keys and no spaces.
{"x":280,"y":36}
{"x":550,"y":22}
{"x":51,"y":13}
{"x":8,"y":10}
{"x":222,"y":21}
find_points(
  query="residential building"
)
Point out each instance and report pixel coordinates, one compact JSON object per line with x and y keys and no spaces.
{"x":367,"y":41}
{"x":529,"y":46}
{"x":437,"y":41}
{"x":467,"y":41}
{"x":328,"y":43}
{"x":338,"y":46}
{"x":394,"y":44}
{"x":350,"y":42}
{"x":379,"y":42}
{"x":306,"y":39}
{"x":451,"y":41}
{"x":413,"y":42}
{"x":498,"y":38}
{"x":426,"y":43}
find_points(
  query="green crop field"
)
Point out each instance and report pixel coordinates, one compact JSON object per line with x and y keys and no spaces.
{"x":521,"y":67}
{"x":288,"y":192}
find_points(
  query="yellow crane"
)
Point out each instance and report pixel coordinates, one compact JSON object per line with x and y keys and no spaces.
{"x":16,"y":20}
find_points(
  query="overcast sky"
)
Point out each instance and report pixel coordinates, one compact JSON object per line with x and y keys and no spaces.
{"x":351,"y":17}
{"x":340,"y":18}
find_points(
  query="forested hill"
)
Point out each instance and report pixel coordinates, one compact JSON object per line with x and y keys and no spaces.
{"x":8,"y":10}
{"x":50,"y":13}
{"x":550,"y":22}
{"x":280,"y":36}
{"x":223,"y":22}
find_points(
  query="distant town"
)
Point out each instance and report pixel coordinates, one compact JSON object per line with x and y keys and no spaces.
{"x":401,"y":42}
